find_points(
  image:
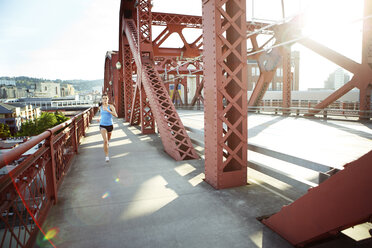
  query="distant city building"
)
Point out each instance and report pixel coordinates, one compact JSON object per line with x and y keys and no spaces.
{"x":336,"y":79}
{"x":47,"y":89}
{"x":10,"y":116}
{"x":11,"y":91}
{"x":95,"y":97}
{"x":277,"y":82}
{"x":67,"y":90}
{"x":14,"y":114}
{"x":7,"y":82}
{"x":28,"y":112}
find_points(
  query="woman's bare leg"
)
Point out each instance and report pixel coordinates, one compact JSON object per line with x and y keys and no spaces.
{"x":105,"y":141}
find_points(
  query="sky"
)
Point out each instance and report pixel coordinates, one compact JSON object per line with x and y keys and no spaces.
{"x":68,"y":39}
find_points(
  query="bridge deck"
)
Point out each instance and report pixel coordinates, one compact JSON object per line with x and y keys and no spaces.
{"x":143,"y":198}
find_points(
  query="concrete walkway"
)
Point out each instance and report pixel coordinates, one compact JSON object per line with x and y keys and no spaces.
{"x":143,"y":198}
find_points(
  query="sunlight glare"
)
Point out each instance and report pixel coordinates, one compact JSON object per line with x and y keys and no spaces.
{"x":184,"y":169}
{"x":197,"y":179}
{"x":151,"y":196}
{"x":330,"y":22}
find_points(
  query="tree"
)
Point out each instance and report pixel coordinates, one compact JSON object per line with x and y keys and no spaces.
{"x":45,"y":121}
{"x":60,"y":117}
{"x":28,"y":128}
{"x":4,"y":131}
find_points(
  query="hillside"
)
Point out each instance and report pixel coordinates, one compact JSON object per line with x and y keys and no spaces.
{"x":79,"y":85}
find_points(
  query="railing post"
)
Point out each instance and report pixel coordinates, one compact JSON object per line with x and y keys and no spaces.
{"x":91,"y":114}
{"x":75,"y":138}
{"x":84,"y":125}
{"x":50,"y":171}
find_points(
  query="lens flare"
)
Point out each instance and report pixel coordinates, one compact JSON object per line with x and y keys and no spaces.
{"x":105,"y":195}
{"x":117,"y":180}
{"x":52,"y":233}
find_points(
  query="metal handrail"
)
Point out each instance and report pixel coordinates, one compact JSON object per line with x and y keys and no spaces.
{"x":28,"y":190}
{"x":15,"y":153}
{"x":325,"y":111}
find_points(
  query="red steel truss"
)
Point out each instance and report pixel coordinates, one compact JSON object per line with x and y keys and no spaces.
{"x":150,"y":93}
{"x":287,"y":77}
{"x":223,"y":28}
{"x":198,"y":97}
{"x":225,"y":92}
{"x":362,"y":78}
{"x":136,"y":107}
{"x":128,"y":82}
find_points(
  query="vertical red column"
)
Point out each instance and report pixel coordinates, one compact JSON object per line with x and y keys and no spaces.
{"x":136,"y":107}
{"x":116,"y":87}
{"x":121,"y":95}
{"x":287,"y":79}
{"x":144,"y":19}
{"x":225,"y":91}
{"x":50,"y":171}
{"x":366,"y":87}
{"x":107,"y":76}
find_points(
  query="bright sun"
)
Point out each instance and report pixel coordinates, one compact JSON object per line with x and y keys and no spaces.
{"x":332,"y":20}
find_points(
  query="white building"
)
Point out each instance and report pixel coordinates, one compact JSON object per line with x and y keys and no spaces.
{"x":339,"y":78}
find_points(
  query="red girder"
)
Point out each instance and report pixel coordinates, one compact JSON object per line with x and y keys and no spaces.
{"x":176,"y":23}
{"x":287,"y":78}
{"x":342,"y":201}
{"x":147,"y":119}
{"x":172,"y":132}
{"x":128,"y":82}
{"x":136,"y":107}
{"x":225,"y":91}
{"x":362,"y":78}
{"x":189,"y":21}
{"x":111,"y":84}
{"x":188,"y":50}
{"x":198,"y":98}
{"x":175,"y":52}
{"x":261,"y":86}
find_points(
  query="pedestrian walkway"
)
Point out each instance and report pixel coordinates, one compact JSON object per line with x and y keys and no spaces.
{"x":143,"y":198}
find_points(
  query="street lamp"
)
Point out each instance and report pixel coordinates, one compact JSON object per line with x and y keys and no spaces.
{"x":118,"y":65}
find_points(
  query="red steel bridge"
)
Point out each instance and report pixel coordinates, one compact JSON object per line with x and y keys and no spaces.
{"x":137,"y":78}
{"x":220,"y":54}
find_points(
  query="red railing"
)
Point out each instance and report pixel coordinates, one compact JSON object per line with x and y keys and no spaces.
{"x":28,"y":191}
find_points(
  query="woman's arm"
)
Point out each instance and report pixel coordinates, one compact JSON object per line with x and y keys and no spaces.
{"x":99,"y":114}
{"x":113,"y":111}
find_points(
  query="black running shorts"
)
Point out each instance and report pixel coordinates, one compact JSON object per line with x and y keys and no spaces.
{"x":108,"y":128}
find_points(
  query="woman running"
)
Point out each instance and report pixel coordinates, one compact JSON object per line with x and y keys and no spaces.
{"x":105,"y":123}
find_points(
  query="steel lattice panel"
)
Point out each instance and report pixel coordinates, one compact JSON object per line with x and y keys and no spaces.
{"x":225,"y":93}
{"x":172,"y":132}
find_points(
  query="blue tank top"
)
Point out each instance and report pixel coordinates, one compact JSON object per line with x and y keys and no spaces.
{"x":106,"y":117}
